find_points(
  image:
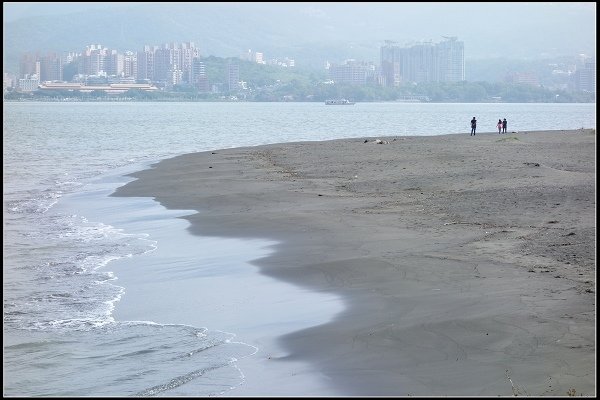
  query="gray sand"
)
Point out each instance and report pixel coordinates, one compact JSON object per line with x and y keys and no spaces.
{"x":467,"y":264}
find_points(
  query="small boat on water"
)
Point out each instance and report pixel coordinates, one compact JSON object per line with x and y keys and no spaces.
{"x":339,"y":102}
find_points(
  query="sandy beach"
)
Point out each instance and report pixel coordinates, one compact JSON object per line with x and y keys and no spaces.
{"x":467,"y":264}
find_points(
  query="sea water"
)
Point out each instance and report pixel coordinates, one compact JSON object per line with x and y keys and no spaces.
{"x":66,"y":240}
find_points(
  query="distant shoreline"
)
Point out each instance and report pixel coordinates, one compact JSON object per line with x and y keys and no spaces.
{"x":106,"y":100}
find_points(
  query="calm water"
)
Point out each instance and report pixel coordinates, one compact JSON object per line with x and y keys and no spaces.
{"x":61,"y":238}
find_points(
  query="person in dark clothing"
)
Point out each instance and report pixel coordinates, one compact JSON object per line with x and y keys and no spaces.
{"x":504,"y":125}
{"x":473,"y":126}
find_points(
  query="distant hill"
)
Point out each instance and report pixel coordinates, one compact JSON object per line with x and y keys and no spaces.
{"x":223,"y":29}
{"x":311,"y":33}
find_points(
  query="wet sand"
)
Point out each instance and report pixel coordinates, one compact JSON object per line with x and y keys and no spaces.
{"x":466,"y":264}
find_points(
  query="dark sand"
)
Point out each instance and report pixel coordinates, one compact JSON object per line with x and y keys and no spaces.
{"x":468,"y":264}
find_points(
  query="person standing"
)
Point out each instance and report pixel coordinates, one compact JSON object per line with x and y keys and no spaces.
{"x":504,"y":123}
{"x":473,"y":126}
{"x":499,"y":125}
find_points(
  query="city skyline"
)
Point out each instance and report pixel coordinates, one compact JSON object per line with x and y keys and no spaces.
{"x":173,"y":64}
{"x":312,"y":32}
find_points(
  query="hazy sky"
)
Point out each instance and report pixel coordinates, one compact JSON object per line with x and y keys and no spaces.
{"x":14,"y":11}
{"x":488,"y":29}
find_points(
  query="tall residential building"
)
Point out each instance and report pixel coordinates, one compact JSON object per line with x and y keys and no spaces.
{"x":51,"y":68}
{"x":45,"y":68}
{"x":189,"y":52}
{"x":114,"y":63}
{"x":423,"y":62}
{"x":29,"y":65}
{"x":390,"y":63}
{"x":586,"y":77}
{"x":130,"y":64}
{"x":145,"y":63}
{"x":163,"y":60}
{"x":419,"y":64}
{"x":233,"y":76}
{"x":94,"y":60}
{"x":451,"y":56}
{"x":182,"y":56}
{"x":199,"y":78}
{"x":172,"y":57}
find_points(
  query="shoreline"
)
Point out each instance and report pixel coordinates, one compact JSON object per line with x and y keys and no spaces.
{"x":467,"y":264}
{"x":130,"y":100}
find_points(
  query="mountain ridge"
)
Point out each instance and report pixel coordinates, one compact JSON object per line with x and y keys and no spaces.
{"x":311,"y":33}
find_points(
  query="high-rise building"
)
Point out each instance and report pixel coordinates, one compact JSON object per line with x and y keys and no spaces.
{"x":586,"y":77}
{"x":29,"y":65}
{"x":163,"y":59}
{"x":451,"y":59}
{"x":199,"y":78}
{"x":145,"y":63}
{"x":130,"y":64}
{"x":419,"y":63}
{"x":94,"y":60}
{"x":423,"y":62}
{"x":189,"y":52}
{"x":51,"y":68}
{"x":233,"y":76}
{"x":390,"y":63}
{"x":114,"y":63}
{"x":172,"y":57}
